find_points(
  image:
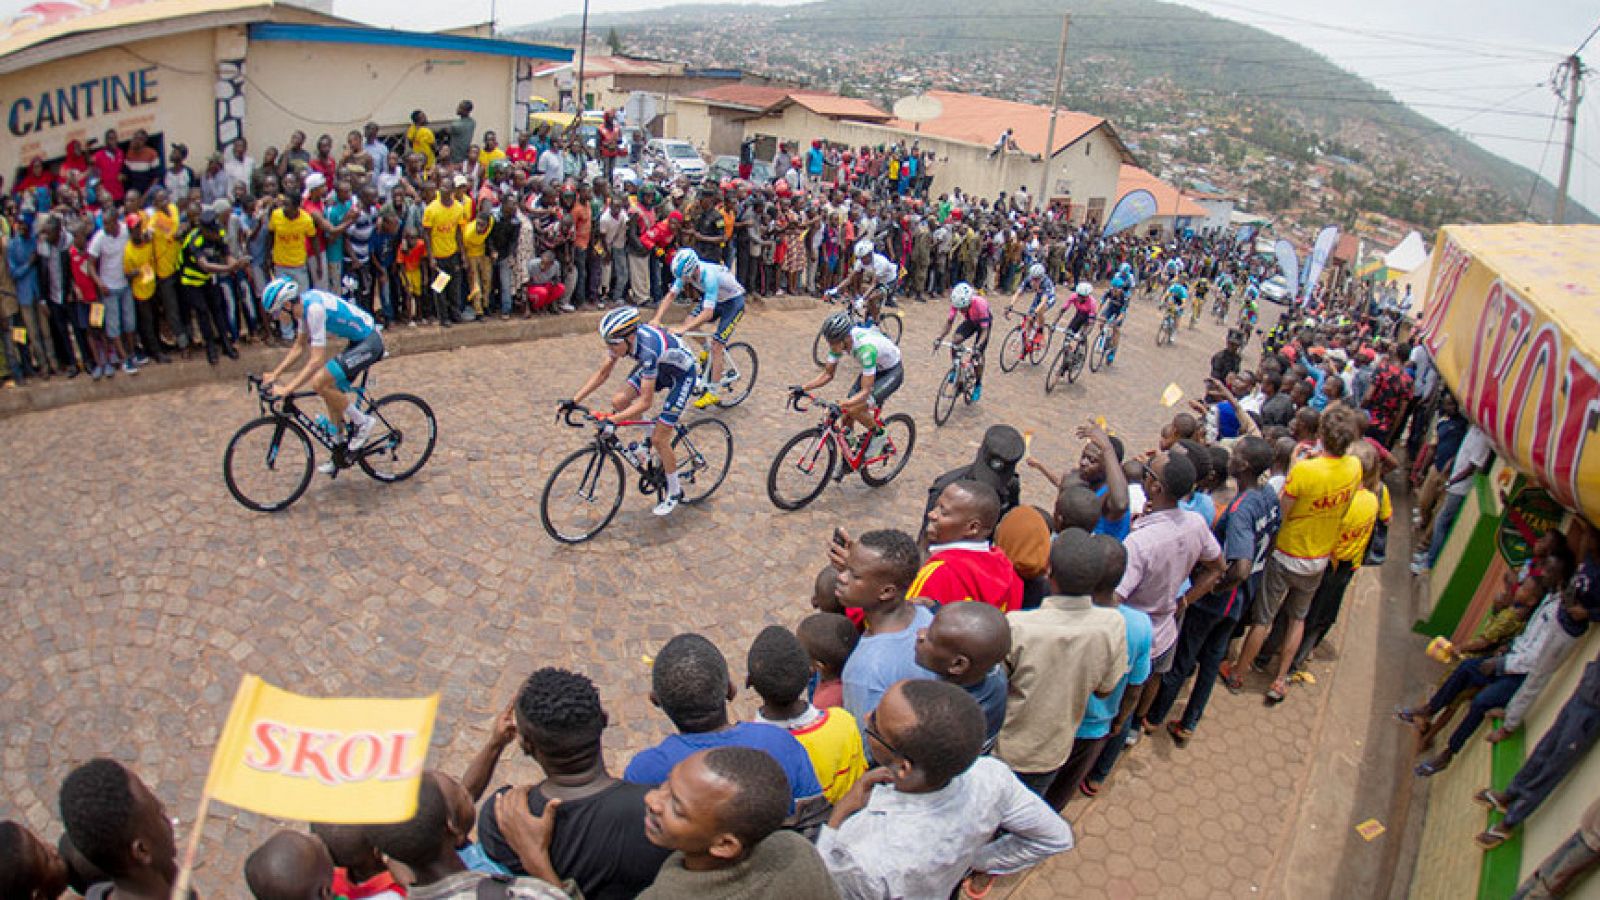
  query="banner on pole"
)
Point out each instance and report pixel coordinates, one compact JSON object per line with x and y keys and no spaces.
{"x":1320,"y":251}
{"x":1289,"y":265}
{"x":1133,"y":208}
{"x":345,"y":760}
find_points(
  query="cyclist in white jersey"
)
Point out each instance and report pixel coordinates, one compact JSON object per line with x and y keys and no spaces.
{"x":873,"y":277}
{"x":319,"y":314}
{"x":721,"y":297}
{"x":881,"y":373}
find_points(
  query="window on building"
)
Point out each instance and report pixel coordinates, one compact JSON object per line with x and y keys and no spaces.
{"x":1087,"y":146}
{"x":1096,"y":211}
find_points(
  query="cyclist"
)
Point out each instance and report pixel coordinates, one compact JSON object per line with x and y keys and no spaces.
{"x":1173,"y":269}
{"x":721,"y":298}
{"x":1225,"y":285}
{"x":317,"y":314}
{"x":1081,"y":302}
{"x":1175,"y":298}
{"x":872,"y":277}
{"x":973,"y":311}
{"x":1114,"y":309}
{"x":1248,"y":313}
{"x":662,"y":364}
{"x":1044,"y":296}
{"x":881,"y":374}
{"x":1197,"y":302}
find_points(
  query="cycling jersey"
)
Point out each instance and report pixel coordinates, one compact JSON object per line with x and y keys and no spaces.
{"x":1044,"y":290}
{"x":977,"y":312}
{"x":717,"y":285}
{"x":882,"y":269}
{"x":326,"y":314}
{"x":875,"y":352}
{"x":1178,"y":292}
{"x":656,"y":349}
{"x":1083,"y":303}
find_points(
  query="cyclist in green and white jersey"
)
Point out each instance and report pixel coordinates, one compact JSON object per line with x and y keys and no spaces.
{"x":881,"y":372}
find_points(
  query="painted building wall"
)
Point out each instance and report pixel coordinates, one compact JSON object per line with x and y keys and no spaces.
{"x":291,"y":81}
{"x":165,"y":85}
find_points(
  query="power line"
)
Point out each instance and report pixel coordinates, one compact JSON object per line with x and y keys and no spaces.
{"x":1585,"y":43}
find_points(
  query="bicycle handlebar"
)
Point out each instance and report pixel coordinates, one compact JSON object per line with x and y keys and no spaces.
{"x":798,"y":401}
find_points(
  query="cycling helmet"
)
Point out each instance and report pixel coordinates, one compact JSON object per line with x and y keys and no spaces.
{"x":280,"y":292}
{"x":837,"y":326}
{"x":864,"y":248}
{"x":1035,"y":271}
{"x":684,"y":262}
{"x":1084,"y":289}
{"x":961,"y":296}
{"x":619,"y":324}
{"x":1119,"y":283}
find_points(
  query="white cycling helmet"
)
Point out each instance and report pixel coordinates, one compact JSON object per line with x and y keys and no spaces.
{"x":1084,"y":289}
{"x":1035,"y":271}
{"x":961,"y":296}
{"x":864,"y":248}
{"x":280,"y":292}
{"x":684,"y":263}
{"x":617,"y":325}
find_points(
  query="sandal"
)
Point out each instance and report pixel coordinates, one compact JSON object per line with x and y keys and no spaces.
{"x":1180,"y":734}
{"x":1488,"y":799}
{"x":1277,"y":693}
{"x":1230,"y":679}
{"x":1492,"y":837}
{"x":1089,"y":788}
{"x":1408,"y":715}
{"x":970,"y":889}
{"x":1431,"y":767}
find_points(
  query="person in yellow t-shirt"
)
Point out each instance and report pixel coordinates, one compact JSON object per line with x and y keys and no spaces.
{"x":480,"y":271}
{"x":420,"y":137}
{"x":162,"y":216}
{"x":779,"y":671}
{"x":139,"y":264}
{"x":490,"y":154}
{"x":1314,"y":499}
{"x":1367,"y":508}
{"x":292,"y":230}
{"x":442,"y":218}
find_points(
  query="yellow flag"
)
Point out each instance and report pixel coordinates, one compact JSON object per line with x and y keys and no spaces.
{"x":1171,"y":395}
{"x":440,"y":282}
{"x":343,"y":760}
{"x":19,"y":335}
{"x":97,"y":315}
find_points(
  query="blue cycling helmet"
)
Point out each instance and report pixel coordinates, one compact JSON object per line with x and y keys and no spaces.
{"x":1119,"y":283}
{"x":280,"y":292}
{"x":684,"y":262}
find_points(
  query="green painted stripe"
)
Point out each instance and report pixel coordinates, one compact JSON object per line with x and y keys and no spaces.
{"x":1469,"y":571}
{"x":1502,"y":866}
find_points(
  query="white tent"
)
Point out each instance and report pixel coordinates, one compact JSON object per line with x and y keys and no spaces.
{"x":1409,"y":255}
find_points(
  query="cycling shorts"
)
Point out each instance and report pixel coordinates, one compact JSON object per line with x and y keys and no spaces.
{"x":968,"y":328}
{"x":355,"y":359}
{"x":728,"y":314}
{"x":1114,"y":311}
{"x":673,"y":386}
{"x":1080,"y":320}
{"x":883,"y":386}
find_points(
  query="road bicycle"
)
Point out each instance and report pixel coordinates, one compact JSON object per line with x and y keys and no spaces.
{"x":806,"y":461}
{"x":960,"y":381}
{"x":1168,"y":329}
{"x":265,"y":473}
{"x":1069,"y":360}
{"x":740,"y":366}
{"x":1026,"y":340}
{"x":584,"y":491}
{"x":1103,"y":352}
{"x":889,"y":323}
{"x":1219,"y":309}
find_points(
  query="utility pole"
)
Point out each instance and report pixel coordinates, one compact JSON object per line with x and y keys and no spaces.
{"x":583,"y":50}
{"x":1571,"y":91}
{"x":1055,"y":107}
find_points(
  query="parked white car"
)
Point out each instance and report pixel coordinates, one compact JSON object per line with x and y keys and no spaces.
{"x":1276,"y":289}
{"x":681,"y":158}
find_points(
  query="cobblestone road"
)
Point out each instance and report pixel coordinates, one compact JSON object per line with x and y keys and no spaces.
{"x":138,"y":592}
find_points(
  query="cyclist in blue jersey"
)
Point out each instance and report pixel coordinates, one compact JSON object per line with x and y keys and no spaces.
{"x":1044,"y":294}
{"x":721,"y":297}
{"x":1174,"y":299}
{"x":1114,"y":309}
{"x":319,"y":314}
{"x":661,"y":364}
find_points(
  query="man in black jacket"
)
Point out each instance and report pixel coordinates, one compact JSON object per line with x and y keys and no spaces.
{"x":503,"y":250}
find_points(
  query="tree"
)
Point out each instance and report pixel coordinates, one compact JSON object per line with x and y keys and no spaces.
{"x":614,"y":41}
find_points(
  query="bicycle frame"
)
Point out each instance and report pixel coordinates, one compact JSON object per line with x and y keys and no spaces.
{"x":607,"y":442}
{"x":285,"y":409}
{"x":835,"y":432}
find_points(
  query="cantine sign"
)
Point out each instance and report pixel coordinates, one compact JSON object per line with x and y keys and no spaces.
{"x":73,"y":103}
{"x":1507,"y":316}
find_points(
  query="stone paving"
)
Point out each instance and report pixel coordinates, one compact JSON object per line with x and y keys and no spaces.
{"x":138,"y":592}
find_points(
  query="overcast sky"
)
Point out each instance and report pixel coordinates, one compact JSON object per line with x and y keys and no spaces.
{"x":1450,"y":59}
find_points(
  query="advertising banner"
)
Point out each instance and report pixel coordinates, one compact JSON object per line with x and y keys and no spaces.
{"x":1289,"y":265}
{"x":1512,"y":318}
{"x":1132,"y":209}
{"x":1320,"y":251}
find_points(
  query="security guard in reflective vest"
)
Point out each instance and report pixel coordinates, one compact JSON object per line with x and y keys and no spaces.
{"x":204,"y":255}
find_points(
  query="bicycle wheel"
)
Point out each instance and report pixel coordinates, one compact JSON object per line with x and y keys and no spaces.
{"x":268,"y":464}
{"x":800,"y":470}
{"x":1075,"y":358}
{"x":1221,"y":312}
{"x":889,"y":323}
{"x":902,"y":433}
{"x":1011,"y":349}
{"x":1058,"y":367}
{"x":1041,"y":350}
{"x":1097,"y":356}
{"x":741,"y":363}
{"x":945,"y":399}
{"x":704,"y":451}
{"x":582,"y":495}
{"x":1164,"y":332}
{"x":819,"y":350}
{"x":406,"y":447}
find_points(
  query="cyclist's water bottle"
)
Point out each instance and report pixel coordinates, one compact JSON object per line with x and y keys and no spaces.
{"x":633,"y":453}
